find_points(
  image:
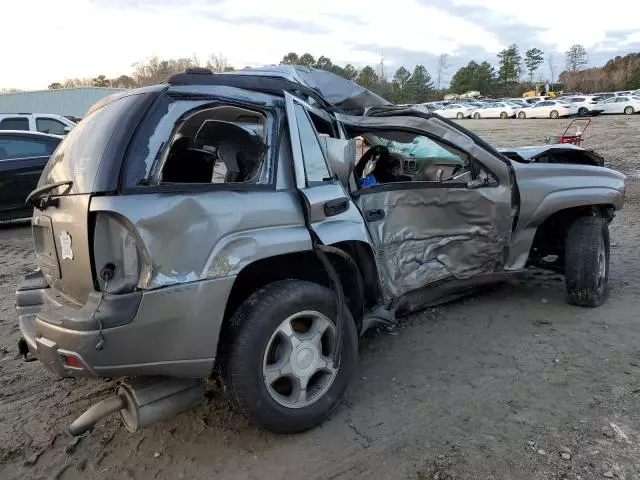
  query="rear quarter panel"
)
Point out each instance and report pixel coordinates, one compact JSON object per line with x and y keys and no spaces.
{"x":198,"y":236}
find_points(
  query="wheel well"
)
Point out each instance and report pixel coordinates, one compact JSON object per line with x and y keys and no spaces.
{"x":547,"y":249}
{"x":358,"y":276}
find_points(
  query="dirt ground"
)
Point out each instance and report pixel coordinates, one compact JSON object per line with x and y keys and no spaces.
{"x":510,"y":384}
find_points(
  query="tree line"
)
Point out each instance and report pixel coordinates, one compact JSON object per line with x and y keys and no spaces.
{"x":149,"y":72}
{"x":515,"y":74}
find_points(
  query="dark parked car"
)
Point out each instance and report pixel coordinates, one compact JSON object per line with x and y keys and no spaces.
{"x":23,"y":155}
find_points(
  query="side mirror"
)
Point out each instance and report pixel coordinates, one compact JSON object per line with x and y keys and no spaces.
{"x":66,"y":130}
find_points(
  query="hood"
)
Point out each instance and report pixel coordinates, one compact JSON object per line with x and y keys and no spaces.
{"x":336,"y":90}
{"x":558,"y":153}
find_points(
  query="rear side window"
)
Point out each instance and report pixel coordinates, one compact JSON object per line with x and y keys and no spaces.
{"x":315,"y":164}
{"x":221,"y":144}
{"x":14,"y":123}
{"x":50,"y":125}
{"x":79,"y":155}
{"x":205,"y":134}
{"x":16,"y":147}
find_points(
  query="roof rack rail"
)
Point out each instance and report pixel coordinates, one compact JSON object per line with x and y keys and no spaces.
{"x":199,"y":71}
{"x":273,"y":85}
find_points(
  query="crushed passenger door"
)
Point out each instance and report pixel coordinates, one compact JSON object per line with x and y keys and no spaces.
{"x":431,"y":231}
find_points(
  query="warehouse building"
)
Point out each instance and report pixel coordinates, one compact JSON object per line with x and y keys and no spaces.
{"x":68,"y":102}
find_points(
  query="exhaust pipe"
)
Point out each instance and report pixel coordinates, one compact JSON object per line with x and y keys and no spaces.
{"x":143,"y":401}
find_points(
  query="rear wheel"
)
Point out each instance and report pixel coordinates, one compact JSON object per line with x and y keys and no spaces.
{"x":460,"y":115}
{"x":278,"y":369}
{"x":554,"y":114}
{"x":583,"y":112}
{"x":522,"y":115}
{"x":503,"y":115}
{"x":587,"y":262}
{"x":628,"y":111}
{"x":476,"y":115}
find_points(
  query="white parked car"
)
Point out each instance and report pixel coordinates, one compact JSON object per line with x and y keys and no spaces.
{"x":495,"y":110}
{"x":626,"y":105}
{"x":517,"y":102}
{"x":454,"y":110}
{"x":36,"y":122}
{"x":534,"y":100}
{"x":547,"y":109}
{"x":586,"y":104}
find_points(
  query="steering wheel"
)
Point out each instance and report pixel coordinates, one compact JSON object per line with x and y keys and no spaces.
{"x":369,"y":156}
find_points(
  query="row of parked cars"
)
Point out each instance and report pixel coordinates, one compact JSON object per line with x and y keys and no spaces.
{"x":627,"y":103}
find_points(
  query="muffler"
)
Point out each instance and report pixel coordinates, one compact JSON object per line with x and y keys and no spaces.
{"x":143,"y":401}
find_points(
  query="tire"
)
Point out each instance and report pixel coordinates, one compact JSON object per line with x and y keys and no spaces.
{"x":251,"y":336}
{"x":554,"y":114}
{"x":587,"y":262}
{"x":503,"y":115}
{"x":476,"y":115}
{"x":628,"y":111}
{"x":522,"y":115}
{"x":583,"y":112}
{"x":460,"y":115}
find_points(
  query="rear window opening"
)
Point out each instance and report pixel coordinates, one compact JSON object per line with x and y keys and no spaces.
{"x":223,"y":144}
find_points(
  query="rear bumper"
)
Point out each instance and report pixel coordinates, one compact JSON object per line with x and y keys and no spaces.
{"x":170,"y":331}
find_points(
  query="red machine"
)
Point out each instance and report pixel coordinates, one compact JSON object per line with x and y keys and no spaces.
{"x":578,"y":127}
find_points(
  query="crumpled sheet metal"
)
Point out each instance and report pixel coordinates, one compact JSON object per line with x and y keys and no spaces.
{"x":433,"y":234}
{"x":209,"y":235}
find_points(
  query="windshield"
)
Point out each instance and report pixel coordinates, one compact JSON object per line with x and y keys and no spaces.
{"x":420,"y":146}
{"x":79,"y":155}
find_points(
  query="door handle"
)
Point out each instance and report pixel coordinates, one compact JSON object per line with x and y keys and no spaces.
{"x":336,"y":206}
{"x":374,"y":215}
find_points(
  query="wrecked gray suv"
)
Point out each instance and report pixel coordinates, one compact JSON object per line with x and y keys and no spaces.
{"x":255,"y":223}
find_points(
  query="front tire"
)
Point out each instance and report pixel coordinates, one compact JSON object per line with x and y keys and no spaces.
{"x":460,"y":115}
{"x":587,"y":262}
{"x":522,"y":115}
{"x":628,"y":111}
{"x":476,"y":115}
{"x":554,"y":114}
{"x":503,"y":115}
{"x":583,"y":112}
{"x":278,"y":368}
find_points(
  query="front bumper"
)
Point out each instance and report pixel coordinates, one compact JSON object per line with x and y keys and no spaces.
{"x":171,"y":331}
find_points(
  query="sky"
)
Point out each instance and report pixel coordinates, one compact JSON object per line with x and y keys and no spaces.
{"x":85,"y":38}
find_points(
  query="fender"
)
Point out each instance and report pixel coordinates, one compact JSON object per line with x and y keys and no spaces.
{"x":554,"y":203}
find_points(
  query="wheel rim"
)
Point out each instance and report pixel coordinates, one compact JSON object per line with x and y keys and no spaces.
{"x":522,"y":115}
{"x":503,"y":115}
{"x":297,"y":368}
{"x":602,"y":263}
{"x":554,"y":114}
{"x":476,"y":116}
{"x":628,"y":110}
{"x":460,"y":115}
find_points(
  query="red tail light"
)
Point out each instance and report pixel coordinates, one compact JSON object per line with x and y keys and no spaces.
{"x":71,"y":361}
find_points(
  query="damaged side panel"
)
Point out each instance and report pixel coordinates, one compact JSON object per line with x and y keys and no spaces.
{"x":426,"y":232}
{"x":211,"y":234}
{"x":433,"y":234}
